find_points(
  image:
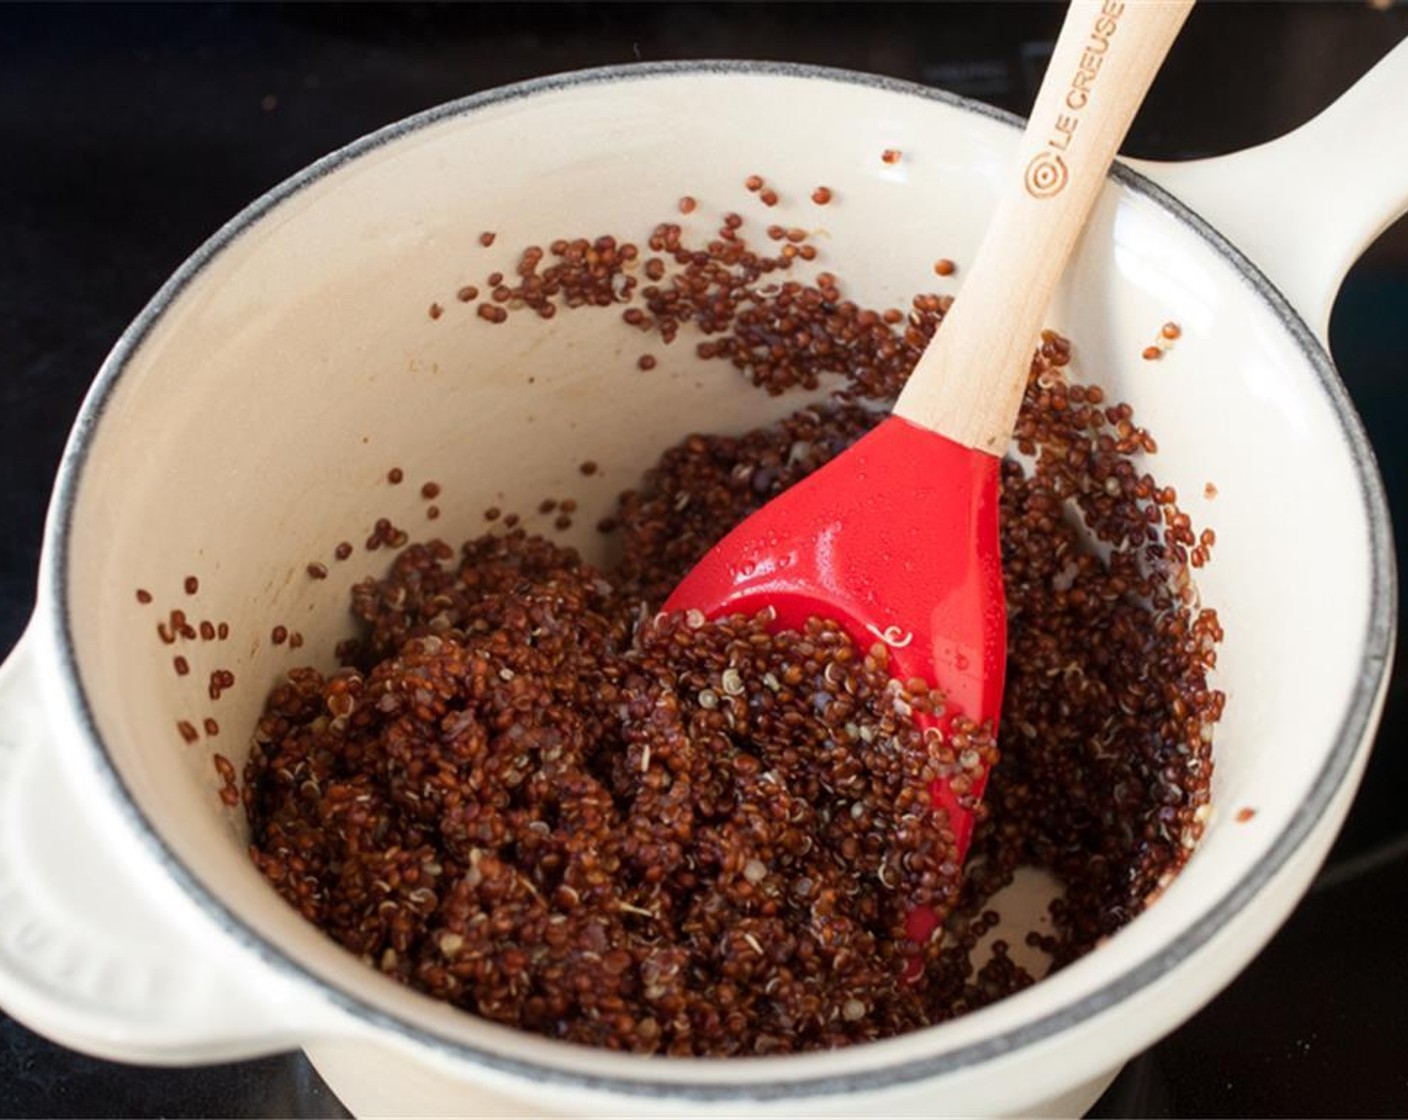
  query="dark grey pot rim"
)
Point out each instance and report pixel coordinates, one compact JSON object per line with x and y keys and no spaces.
{"x":1354,"y":728}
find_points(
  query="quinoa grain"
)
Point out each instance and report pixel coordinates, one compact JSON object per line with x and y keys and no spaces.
{"x":528,"y":794}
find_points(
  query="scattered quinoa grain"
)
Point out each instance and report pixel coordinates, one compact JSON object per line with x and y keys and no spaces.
{"x":229,"y":787}
{"x":646,"y":361}
{"x":182,"y":666}
{"x":754,"y":182}
{"x":436,"y":311}
{"x":1245,"y":814}
{"x":822,"y":195}
{"x":430,"y":490}
{"x":395,"y":475}
{"x":143,"y":597}
{"x":1152,"y":353}
{"x":192,"y":585}
{"x":890,"y":155}
{"x":318,"y":570}
{"x":486,"y":238}
{"x":467,"y":294}
{"x":188,"y":730}
{"x":1171,"y":331}
{"x":687,"y":205}
{"x":588,"y":467}
{"x":945,"y":267}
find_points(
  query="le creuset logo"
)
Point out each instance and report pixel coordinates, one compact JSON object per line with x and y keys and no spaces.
{"x":1046,"y":174}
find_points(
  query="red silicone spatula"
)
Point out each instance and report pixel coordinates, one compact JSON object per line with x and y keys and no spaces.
{"x":897,"y":538}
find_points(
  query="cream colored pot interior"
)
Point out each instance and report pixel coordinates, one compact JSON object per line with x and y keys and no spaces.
{"x":256,"y":420}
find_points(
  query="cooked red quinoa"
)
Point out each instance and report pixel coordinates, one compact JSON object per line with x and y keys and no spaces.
{"x":529,"y":795}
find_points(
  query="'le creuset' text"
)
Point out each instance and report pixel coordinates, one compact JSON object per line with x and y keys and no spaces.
{"x":1046,"y":173}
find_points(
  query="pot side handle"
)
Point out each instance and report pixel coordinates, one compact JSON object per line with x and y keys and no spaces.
{"x":1305,"y":206}
{"x":93,"y":954}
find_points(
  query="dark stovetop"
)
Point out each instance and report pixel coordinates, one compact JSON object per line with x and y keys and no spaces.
{"x":130,"y":133}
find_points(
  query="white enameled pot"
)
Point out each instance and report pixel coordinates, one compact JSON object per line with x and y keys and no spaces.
{"x":246,"y":421}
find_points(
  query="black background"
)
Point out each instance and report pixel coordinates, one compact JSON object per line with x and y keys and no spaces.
{"x":129,"y":133}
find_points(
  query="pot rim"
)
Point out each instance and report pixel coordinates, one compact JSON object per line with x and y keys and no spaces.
{"x":1352,"y":733}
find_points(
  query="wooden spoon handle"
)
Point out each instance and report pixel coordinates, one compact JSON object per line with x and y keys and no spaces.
{"x":968,"y":383}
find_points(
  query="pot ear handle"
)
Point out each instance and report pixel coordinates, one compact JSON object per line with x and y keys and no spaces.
{"x":1305,"y":206}
{"x":96,"y":953}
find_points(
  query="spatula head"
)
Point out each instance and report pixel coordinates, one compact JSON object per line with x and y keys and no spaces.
{"x":896,"y":540}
